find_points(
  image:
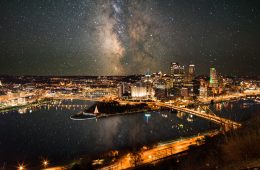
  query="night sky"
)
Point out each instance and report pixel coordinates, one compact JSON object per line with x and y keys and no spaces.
{"x":118,"y":37}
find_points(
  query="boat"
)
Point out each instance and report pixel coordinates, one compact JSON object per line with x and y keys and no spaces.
{"x":257,"y":100}
{"x":85,"y":115}
{"x":190,"y":118}
{"x":165,"y":115}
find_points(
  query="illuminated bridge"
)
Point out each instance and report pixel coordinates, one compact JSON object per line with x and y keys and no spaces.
{"x":226,"y":123}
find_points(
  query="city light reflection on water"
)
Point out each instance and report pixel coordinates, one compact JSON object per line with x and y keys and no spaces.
{"x":49,"y":132}
{"x":236,"y":110}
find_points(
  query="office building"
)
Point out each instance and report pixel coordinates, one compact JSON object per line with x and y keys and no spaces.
{"x":213,"y":81}
{"x":191,"y":73}
{"x":177,"y":74}
{"x":142,"y":91}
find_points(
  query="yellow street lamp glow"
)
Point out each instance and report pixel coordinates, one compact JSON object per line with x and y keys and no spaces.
{"x":45,"y":163}
{"x":21,"y":167}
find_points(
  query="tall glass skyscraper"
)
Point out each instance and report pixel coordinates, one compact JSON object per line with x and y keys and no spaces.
{"x":213,"y":81}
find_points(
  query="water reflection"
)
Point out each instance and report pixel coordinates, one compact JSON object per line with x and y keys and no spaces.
{"x":240,"y":110}
{"x":147,"y":116}
{"x":49,"y":132}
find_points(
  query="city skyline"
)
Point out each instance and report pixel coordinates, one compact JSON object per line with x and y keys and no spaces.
{"x":129,"y":84}
{"x":128,"y":37}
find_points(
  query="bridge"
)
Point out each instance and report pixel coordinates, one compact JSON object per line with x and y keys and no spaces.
{"x":63,"y":97}
{"x":226,"y":123}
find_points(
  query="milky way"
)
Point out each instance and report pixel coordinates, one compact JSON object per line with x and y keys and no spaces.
{"x":126,"y":32}
{"x":117,"y":37}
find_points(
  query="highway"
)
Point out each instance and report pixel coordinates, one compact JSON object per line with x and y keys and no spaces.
{"x":158,"y":152}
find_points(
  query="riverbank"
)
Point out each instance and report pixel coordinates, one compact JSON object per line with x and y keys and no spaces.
{"x":33,"y":104}
{"x":114,"y":107}
{"x":229,"y":97}
{"x":237,"y":149}
{"x":146,"y":155}
{"x":234,"y":150}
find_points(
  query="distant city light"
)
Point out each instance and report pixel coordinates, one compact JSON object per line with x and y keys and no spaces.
{"x":45,"y":163}
{"x":21,"y":167}
{"x":147,"y":115}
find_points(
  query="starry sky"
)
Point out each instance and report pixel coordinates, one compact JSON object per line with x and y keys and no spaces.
{"x":122,"y":37}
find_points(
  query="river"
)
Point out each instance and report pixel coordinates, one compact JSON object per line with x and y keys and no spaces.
{"x":48,"y":132}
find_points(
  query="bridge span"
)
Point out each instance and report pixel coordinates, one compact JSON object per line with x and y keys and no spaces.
{"x":226,"y":123}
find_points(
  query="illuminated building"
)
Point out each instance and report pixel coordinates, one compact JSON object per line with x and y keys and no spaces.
{"x":160,"y":88}
{"x":121,"y":90}
{"x":191,"y":73}
{"x":190,"y":83}
{"x":213,"y":82}
{"x":203,"y":90}
{"x":177,"y":74}
{"x":160,"y":84}
{"x":193,"y":87}
{"x":168,"y":82}
{"x":147,"y":78}
{"x":138,"y":92}
{"x":142,"y":91}
{"x":184,"y":92}
{"x":101,"y":92}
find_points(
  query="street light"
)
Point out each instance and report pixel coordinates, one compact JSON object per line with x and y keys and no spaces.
{"x":45,"y":163}
{"x":21,"y":167}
